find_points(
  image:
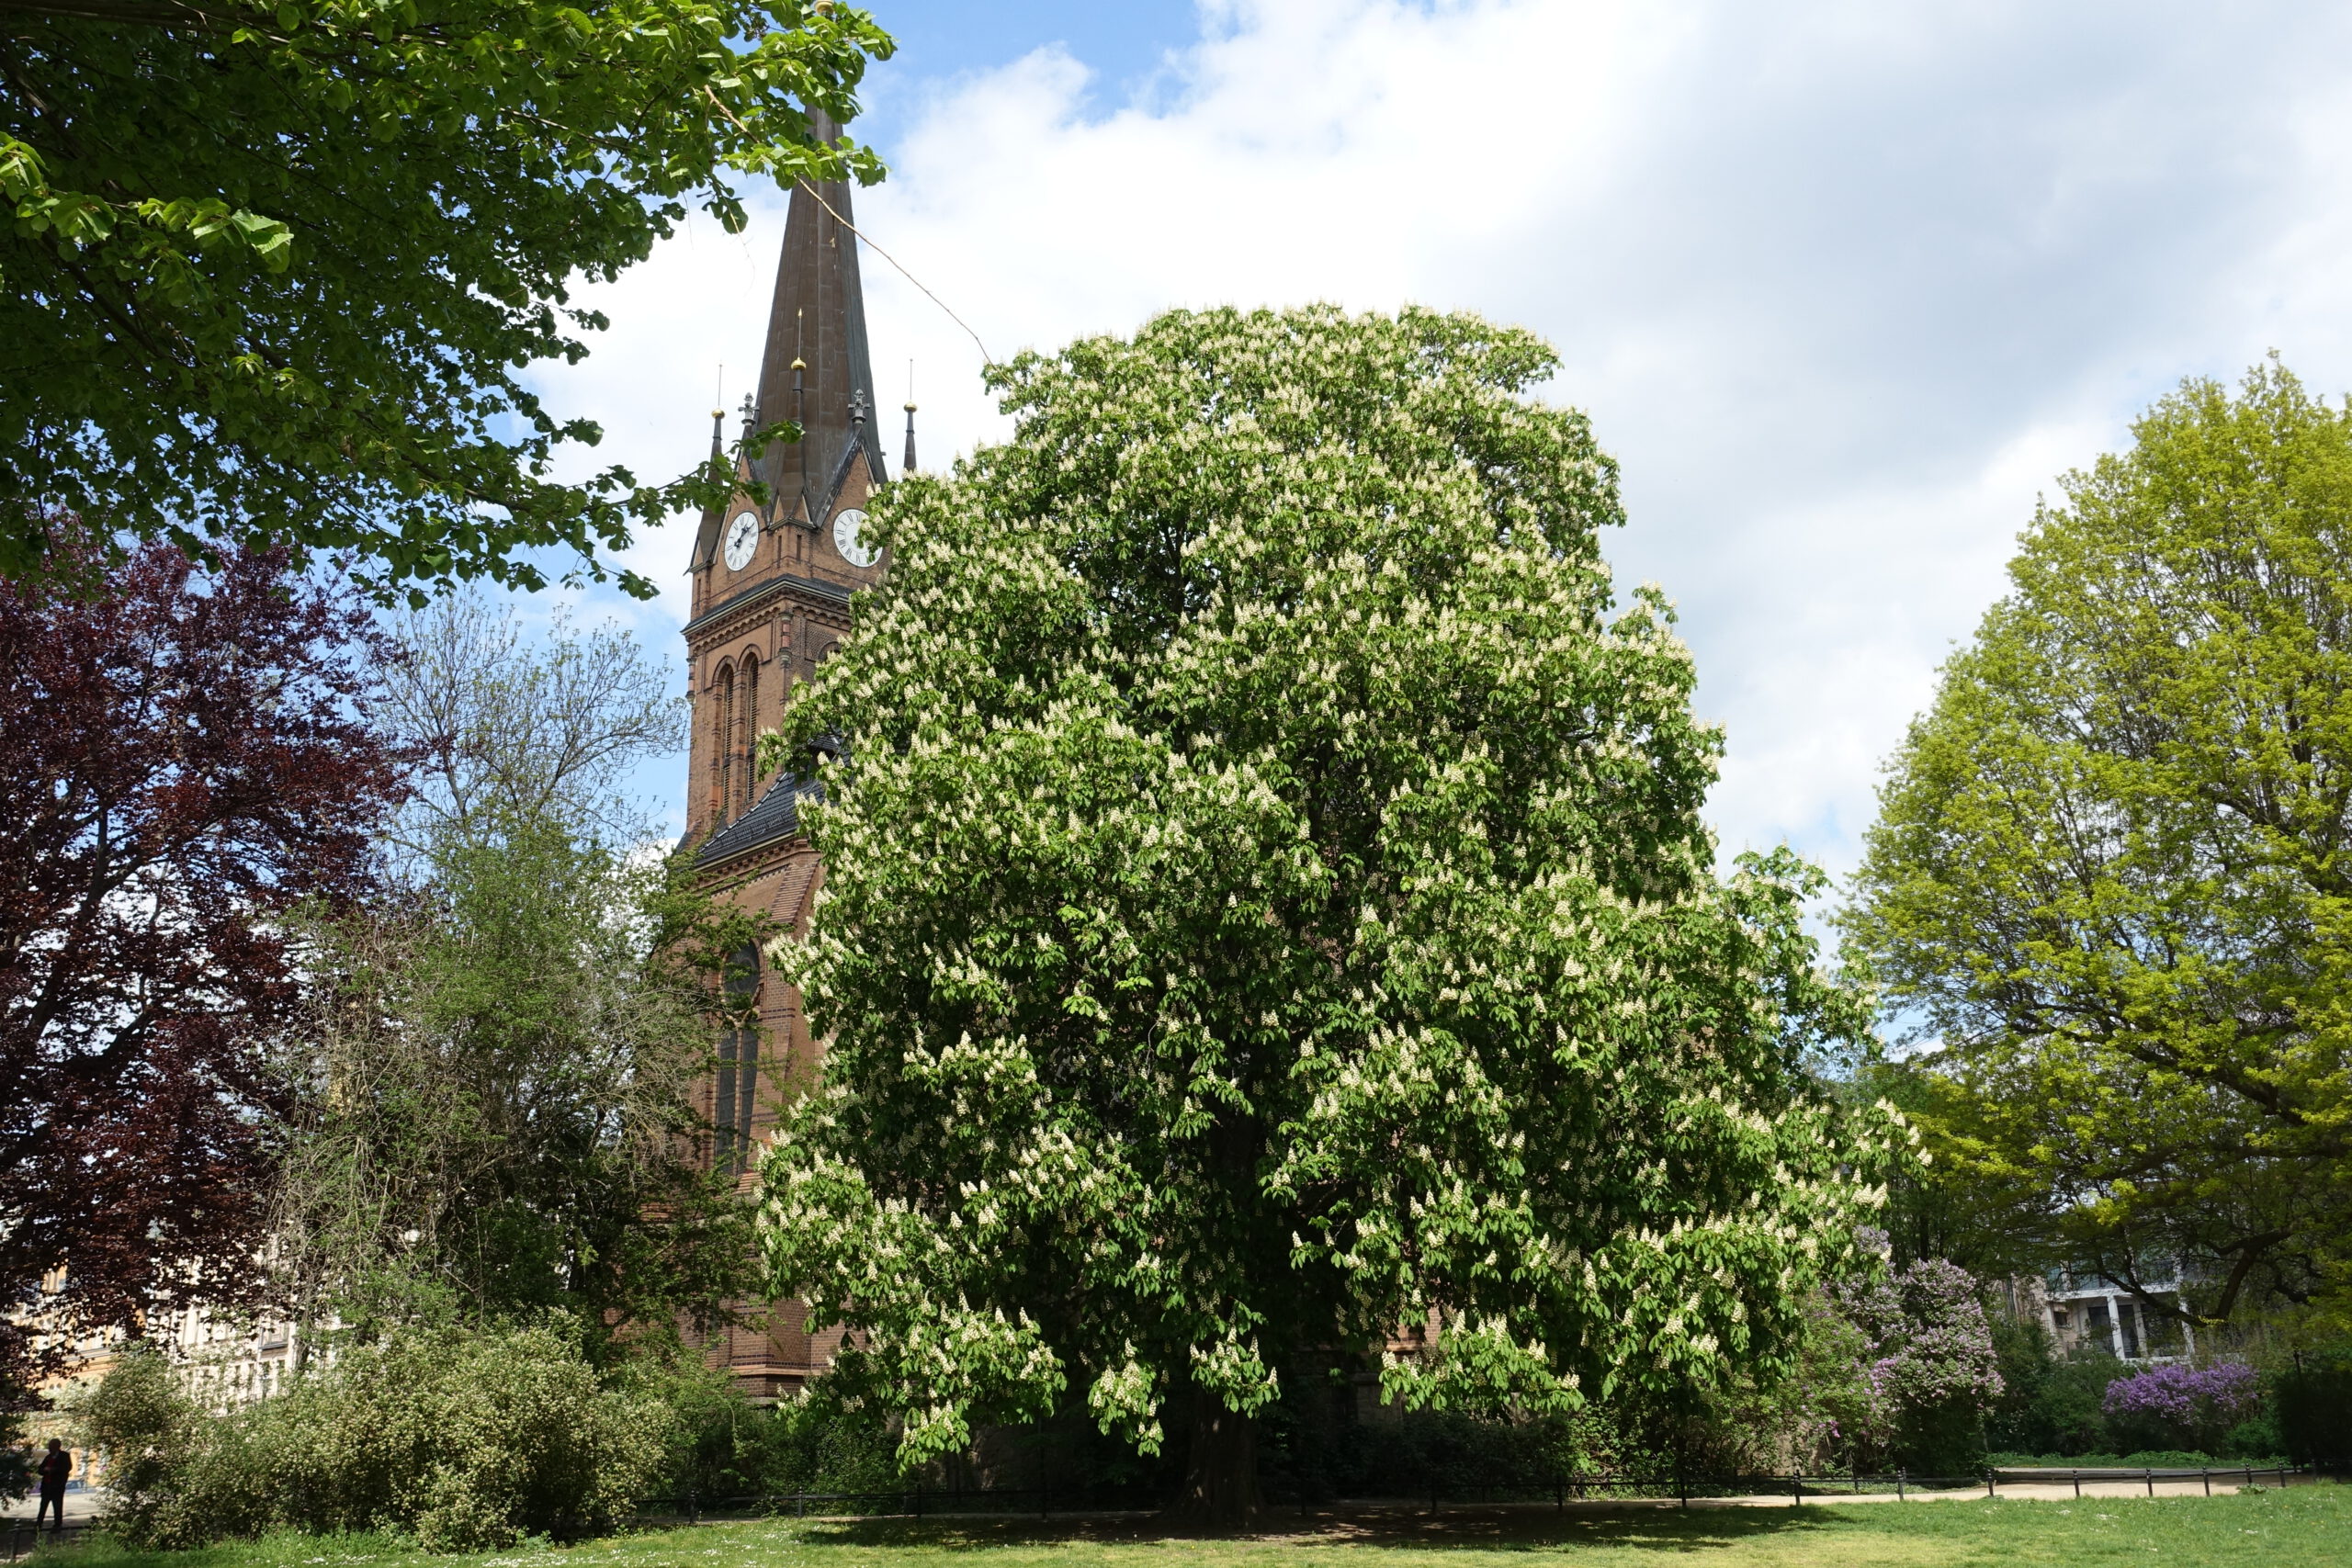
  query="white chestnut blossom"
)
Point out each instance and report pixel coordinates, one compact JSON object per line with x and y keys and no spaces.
{"x":1267,"y":913}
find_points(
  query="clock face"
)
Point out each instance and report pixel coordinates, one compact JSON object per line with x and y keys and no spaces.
{"x":743,"y":539}
{"x":850,"y":541}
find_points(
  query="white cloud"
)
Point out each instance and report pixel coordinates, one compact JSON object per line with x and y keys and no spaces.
{"x":1844,"y":285}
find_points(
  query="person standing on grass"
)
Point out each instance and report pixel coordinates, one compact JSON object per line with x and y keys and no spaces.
{"x":55,"y":1466}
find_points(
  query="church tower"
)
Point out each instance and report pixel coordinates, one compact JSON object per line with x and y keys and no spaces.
{"x":773,"y":576}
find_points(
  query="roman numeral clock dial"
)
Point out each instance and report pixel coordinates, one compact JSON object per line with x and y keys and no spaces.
{"x":850,"y":539}
{"x":743,"y":539}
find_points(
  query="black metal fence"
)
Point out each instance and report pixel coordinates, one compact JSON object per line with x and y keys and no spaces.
{"x":19,"y":1536}
{"x":18,"y":1539}
{"x":2056,"y":1476}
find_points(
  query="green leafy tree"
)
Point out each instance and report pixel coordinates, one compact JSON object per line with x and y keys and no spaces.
{"x":1948,"y":1201}
{"x":494,"y":1112}
{"x":505,"y":727}
{"x":495,"y":1115}
{"x":1267,"y":910}
{"x":2109,"y":873}
{"x":275,"y":273}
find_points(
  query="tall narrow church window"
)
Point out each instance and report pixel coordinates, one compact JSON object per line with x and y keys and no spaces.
{"x":751,"y":738}
{"x":722,"y":752}
{"x":747,"y":1095}
{"x":722,"y":1118}
{"x":739,"y":1062}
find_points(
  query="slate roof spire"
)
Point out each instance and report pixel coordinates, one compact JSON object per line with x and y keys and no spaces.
{"x":817,"y":368}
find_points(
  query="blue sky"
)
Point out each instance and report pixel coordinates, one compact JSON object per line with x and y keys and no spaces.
{"x":1123,"y":42}
{"x":1845,"y":284}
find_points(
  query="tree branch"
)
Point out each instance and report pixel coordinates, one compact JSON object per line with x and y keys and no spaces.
{"x":138,"y":13}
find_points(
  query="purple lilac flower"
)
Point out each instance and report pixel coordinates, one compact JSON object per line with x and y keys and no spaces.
{"x":2191,"y":1399}
{"x":1926,"y":1327}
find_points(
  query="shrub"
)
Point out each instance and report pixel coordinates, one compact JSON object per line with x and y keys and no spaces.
{"x":1831,"y":1413}
{"x":149,"y":1430}
{"x":2261,"y":1437}
{"x":817,"y":1443}
{"x":2314,"y":1411}
{"x":2181,"y":1406}
{"x":1931,"y":1356}
{"x":2047,"y":1405}
{"x":463,"y":1439}
{"x":722,"y":1446}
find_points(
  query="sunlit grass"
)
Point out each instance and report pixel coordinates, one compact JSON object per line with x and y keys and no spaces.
{"x":2305,"y":1524}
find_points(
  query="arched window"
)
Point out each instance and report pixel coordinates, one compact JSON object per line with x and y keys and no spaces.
{"x":749,"y":789}
{"x":722,"y":748}
{"x":739,"y":1062}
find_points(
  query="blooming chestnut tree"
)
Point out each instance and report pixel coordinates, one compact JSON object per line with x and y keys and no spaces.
{"x":1267,"y":911}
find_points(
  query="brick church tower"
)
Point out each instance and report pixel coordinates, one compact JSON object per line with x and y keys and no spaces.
{"x":771,"y":584}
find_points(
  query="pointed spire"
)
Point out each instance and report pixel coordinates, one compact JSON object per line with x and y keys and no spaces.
{"x":908,"y":467}
{"x":816,"y":361}
{"x":800,"y":365}
{"x":718,"y":415}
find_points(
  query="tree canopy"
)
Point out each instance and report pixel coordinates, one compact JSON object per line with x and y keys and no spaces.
{"x":509,"y":727}
{"x":277,"y":273}
{"x":1268,"y":917}
{"x":2110,"y":876}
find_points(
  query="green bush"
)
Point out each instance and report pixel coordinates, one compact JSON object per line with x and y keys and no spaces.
{"x":1942,"y":1439}
{"x":149,"y":1430}
{"x":2257,"y":1439}
{"x":724,"y":1447}
{"x":2048,"y":1403}
{"x":2312,"y":1406}
{"x":463,"y":1439}
{"x":815,"y":1443}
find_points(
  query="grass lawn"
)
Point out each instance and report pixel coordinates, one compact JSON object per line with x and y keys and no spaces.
{"x":2301,"y":1526}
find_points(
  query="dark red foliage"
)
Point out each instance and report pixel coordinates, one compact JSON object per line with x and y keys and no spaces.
{"x":181,"y":760}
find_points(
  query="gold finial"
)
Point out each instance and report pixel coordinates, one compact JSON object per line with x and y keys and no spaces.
{"x":798,"y":363}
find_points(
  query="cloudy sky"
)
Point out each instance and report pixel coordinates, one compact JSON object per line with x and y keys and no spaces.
{"x":1844,"y":284}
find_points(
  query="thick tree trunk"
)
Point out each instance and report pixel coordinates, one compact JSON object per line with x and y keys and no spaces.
{"x":1221,"y":1472}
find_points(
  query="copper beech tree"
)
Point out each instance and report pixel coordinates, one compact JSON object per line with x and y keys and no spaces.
{"x":181,"y":765}
{"x":1268,"y":910}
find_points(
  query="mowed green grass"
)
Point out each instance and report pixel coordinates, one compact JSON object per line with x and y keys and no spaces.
{"x":2306,"y":1525}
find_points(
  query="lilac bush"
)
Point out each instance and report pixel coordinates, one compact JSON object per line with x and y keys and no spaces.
{"x":1928,"y":1357}
{"x":2192,"y":1407}
{"x":1929,"y":1344}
